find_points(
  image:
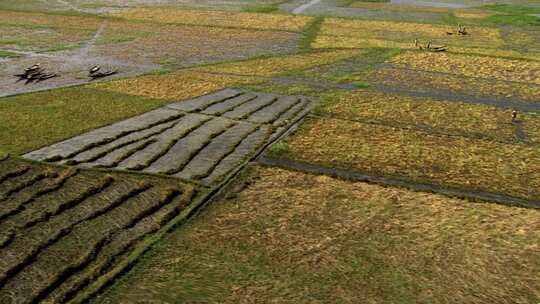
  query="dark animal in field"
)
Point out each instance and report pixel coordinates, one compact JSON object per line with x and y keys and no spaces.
{"x":35,"y":73}
{"x":431,"y":48}
{"x":43,"y":77}
{"x":94,"y":69}
{"x":514,"y":115}
{"x":461,"y":30}
{"x":98,"y":74}
{"x":36,"y":67}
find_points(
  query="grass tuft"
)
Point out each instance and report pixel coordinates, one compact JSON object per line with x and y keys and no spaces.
{"x":278,"y":149}
{"x":7,"y":54}
{"x":310,"y":33}
{"x":262,"y":8}
{"x":516,"y":20}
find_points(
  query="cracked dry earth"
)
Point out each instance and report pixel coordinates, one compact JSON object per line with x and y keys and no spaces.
{"x":202,"y":140}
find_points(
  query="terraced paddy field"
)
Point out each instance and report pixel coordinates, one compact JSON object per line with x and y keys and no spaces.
{"x":246,"y":154}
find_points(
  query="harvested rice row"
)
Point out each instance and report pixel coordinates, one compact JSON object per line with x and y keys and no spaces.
{"x":162,"y":143}
{"x":29,"y":181}
{"x":14,"y":258}
{"x":18,"y":203}
{"x":100,"y":151}
{"x":81,"y":143}
{"x":14,"y":173}
{"x":80,"y":247}
{"x":120,"y":245}
{"x":185,"y":149}
{"x":240,"y":154}
{"x":204,"y":162}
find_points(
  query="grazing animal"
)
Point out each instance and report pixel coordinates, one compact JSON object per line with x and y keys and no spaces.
{"x":36,"y":67}
{"x":94,"y":69}
{"x":417,"y":45}
{"x":43,"y":77}
{"x":461,"y":30}
{"x":514,"y":115}
{"x":35,"y":73}
{"x":97,"y":75}
{"x":435,"y":48}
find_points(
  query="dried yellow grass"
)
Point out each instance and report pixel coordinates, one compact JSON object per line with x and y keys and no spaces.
{"x":217,"y":18}
{"x":447,"y":160}
{"x":196,"y":81}
{"x":330,"y":41}
{"x":424,"y":81}
{"x":174,"y":86}
{"x":290,"y":237}
{"x":426,"y":113}
{"x":400,"y":30}
{"x":472,"y":66}
{"x":472,"y":14}
{"x":279,"y":65}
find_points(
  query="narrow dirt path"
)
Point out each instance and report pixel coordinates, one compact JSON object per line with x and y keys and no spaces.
{"x":305,"y":6}
{"x":85,"y":49}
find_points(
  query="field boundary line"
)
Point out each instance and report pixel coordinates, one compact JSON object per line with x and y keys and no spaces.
{"x":470,"y":195}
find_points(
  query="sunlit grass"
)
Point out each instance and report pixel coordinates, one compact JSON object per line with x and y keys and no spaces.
{"x":455,"y":161}
{"x":217,"y":18}
{"x":33,"y":120}
{"x":288,"y":237}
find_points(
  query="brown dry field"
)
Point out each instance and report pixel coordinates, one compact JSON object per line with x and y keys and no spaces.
{"x":418,"y":155}
{"x":288,"y":237}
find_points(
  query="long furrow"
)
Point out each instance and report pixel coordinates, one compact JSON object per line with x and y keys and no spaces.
{"x":30,"y":242}
{"x":243,"y":111}
{"x":30,"y":180}
{"x":240,"y":154}
{"x":32,"y":217}
{"x":71,"y":147}
{"x":13,"y":260}
{"x":163,"y":142}
{"x":100,"y":151}
{"x":80,"y":247}
{"x":17,"y":204}
{"x":202,"y":102}
{"x":186,"y":148}
{"x":229,"y":104}
{"x":293,"y":112}
{"x":18,"y":171}
{"x":206,"y":160}
{"x":120,"y":245}
{"x":274,"y":111}
{"x":117,"y":156}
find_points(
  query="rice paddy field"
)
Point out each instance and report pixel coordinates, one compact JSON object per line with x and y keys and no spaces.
{"x":269,"y":151}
